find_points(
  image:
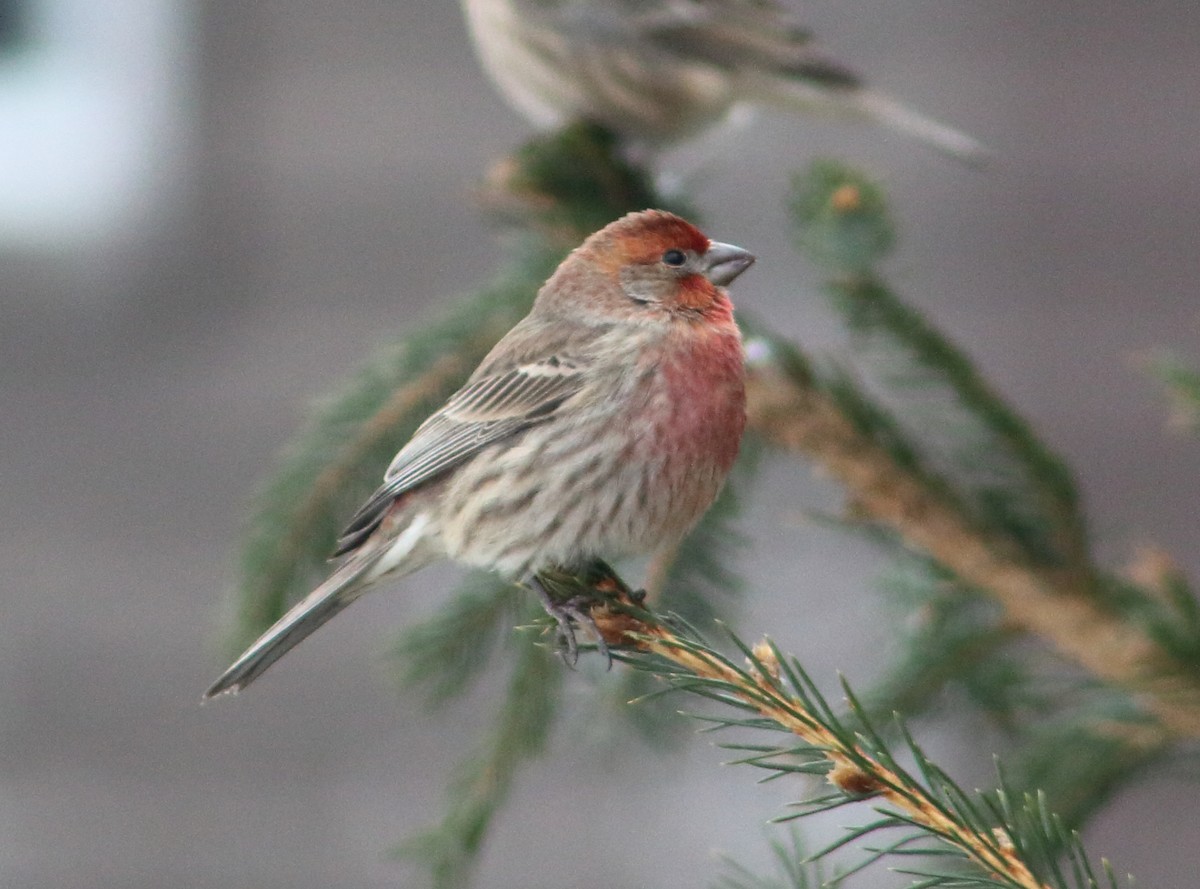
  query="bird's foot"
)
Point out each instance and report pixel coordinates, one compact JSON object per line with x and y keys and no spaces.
{"x":568,"y":613}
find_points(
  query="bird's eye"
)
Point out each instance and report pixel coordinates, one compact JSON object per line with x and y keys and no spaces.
{"x":674,"y":258}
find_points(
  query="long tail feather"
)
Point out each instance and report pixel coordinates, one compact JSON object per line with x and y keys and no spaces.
{"x":903,"y":119}
{"x":864,"y":103}
{"x":343,"y":587}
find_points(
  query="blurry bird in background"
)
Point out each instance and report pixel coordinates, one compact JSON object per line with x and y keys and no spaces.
{"x":603,"y":425}
{"x":658,"y":71}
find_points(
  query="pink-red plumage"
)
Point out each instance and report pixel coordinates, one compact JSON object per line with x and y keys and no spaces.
{"x":706,"y":400}
{"x":603,"y":425}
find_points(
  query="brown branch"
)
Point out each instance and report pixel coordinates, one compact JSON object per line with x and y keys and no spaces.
{"x":796,"y":416}
{"x":855,"y":771}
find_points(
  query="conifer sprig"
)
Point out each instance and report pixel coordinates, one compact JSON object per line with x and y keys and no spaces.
{"x":1028,"y":492}
{"x":521,"y":728}
{"x":1181,"y":385}
{"x":997,"y":839}
{"x":794,"y":414}
{"x":1119,"y":632}
{"x":1013,"y":532}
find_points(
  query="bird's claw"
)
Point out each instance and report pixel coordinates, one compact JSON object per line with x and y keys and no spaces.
{"x":567,"y":613}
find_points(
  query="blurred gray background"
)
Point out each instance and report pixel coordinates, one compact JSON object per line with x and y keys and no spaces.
{"x":210,"y":212}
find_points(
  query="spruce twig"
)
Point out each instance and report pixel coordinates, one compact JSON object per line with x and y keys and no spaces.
{"x":792,"y":413}
{"x":1007,"y":844}
{"x":523,"y":724}
{"x":558,"y":190}
{"x":845,"y":226}
{"x":1113,"y":630}
{"x":1181,"y":385}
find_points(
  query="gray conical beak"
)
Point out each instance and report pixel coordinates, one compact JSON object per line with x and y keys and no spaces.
{"x":724,"y":262}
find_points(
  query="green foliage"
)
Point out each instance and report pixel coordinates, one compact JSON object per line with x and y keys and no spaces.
{"x":444,"y":654}
{"x":1176,"y":620}
{"x":1168,"y":609}
{"x":949,"y":636}
{"x":793,"y":870}
{"x":920,"y":398}
{"x":944,"y":836}
{"x":884,"y":427}
{"x":956,"y":638}
{"x":1110,"y":745}
{"x":521,"y":729}
{"x":843,"y":219}
{"x":915,"y":395}
{"x":1181,"y":384}
{"x":962,"y":434}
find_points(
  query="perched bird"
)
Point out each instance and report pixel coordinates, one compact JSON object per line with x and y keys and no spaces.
{"x":657,"y":71}
{"x":602,"y":425}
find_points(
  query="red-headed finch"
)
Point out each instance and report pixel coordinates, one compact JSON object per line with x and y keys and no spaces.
{"x":656,"y":71}
{"x":602,"y":425}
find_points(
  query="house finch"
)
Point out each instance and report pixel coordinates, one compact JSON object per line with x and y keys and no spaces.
{"x":656,"y":71}
{"x":602,"y":425}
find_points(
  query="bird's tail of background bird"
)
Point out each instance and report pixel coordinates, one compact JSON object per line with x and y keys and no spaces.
{"x":345,"y":585}
{"x":865,"y":103}
{"x":888,"y":111}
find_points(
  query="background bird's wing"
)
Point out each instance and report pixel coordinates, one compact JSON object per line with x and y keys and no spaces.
{"x":495,"y":404}
{"x":759,"y":35}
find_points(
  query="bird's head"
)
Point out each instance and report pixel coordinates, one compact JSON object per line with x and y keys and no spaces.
{"x":648,"y":265}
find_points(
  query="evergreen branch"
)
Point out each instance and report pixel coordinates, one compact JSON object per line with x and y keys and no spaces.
{"x":1181,"y":384}
{"x":1160,"y":592}
{"x":934,"y":659}
{"x":1117,"y":631}
{"x":1109,"y":746}
{"x":844,"y":225}
{"x":790,"y":412}
{"x":558,"y":190}
{"x":954,"y":635}
{"x":523,"y":724}
{"x":869,"y":303}
{"x":1006,"y":845}
{"x":882,"y":425}
{"x":793,"y":869}
{"x":448,"y":650}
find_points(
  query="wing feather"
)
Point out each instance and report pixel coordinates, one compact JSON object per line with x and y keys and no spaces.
{"x":749,"y":34}
{"x":488,"y":409}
